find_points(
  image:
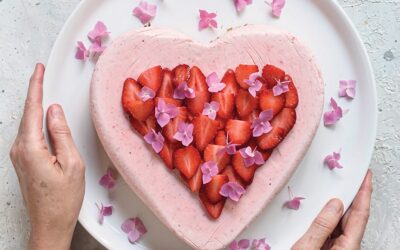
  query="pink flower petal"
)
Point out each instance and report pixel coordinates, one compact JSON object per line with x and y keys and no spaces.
{"x":135,"y":229}
{"x":232,"y":190}
{"x":214,"y":84}
{"x":240,"y":5}
{"x":260,"y":244}
{"x":165,"y":112}
{"x":333,"y":116}
{"x":209,"y":169}
{"x":207,"y":20}
{"x":184,"y":133}
{"x":81,"y":52}
{"x":108,"y":180}
{"x":98,"y":33}
{"x":211,"y":109}
{"x":280,"y":88}
{"x":294,"y":203}
{"x":96,"y":48}
{"x":104,"y":211}
{"x":277,"y":6}
{"x":251,"y":157}
{"x":145,"y":11}
{"x":254,"y":84}
{"x":183,"y":91}
{"x":146,"y":93}
{"x":332,"y":161}
{"x":156,"y":140}
{"x":261,"y":125}
{"x":347,"y":88}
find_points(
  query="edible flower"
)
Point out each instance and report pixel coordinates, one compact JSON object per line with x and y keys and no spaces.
{"x":156,"y":140}
{"x":260,"y":244}
{"x":184,"y":133}
{"x":293,"y":203}
{"x":135,"y":229}
{"x":333,"y":116}
{"x":98,"y":33}
{"x":81,"y":52}
{"x":207,"y":20}
{"x":145,"y":11}
{"x":104,"y":210}
{"x":108,"y":180}
{"x":211,"y":109}
{"x":254,"y":84}
{"x":261,"y":125}
{"x":229,"y":148}
{"x":165,"y":112}
{"x":240,"y":5}
{"x":183,"y":91}
{"x":332,"y":161}
{"x":209,"y":170}
{"x":347,"y":88}
{"x":280,"y":87}
{"x":251,"y":156}
{"x":277,"y":6}
{"x":242,"y":244}
{"x":146,"y":93}
{"x":232,"y":190}
{"x":214,"y":84}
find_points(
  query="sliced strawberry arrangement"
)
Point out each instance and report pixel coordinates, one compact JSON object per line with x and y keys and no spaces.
{"x":214,"y":137}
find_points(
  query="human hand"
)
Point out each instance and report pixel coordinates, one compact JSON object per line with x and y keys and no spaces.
{"x":52,"y":185}
{"x":332,"y":231}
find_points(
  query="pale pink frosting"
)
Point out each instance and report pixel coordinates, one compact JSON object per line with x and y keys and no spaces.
{"x":168,"y":198}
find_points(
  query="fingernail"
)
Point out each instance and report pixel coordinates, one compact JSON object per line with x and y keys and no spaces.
{"x":334,"y":205}
{"x":56,"y":111}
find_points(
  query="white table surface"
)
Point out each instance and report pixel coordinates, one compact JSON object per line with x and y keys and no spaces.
{"x":28,"y":29}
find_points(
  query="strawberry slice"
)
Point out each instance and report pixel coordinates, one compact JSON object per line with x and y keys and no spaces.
{"x":252,"y":116}
{"x":269,"y":101}
{"x":214,"y":186}
{"x":167,"y":153}
{"x":187,"y":160}
{"x":266,"y":154}
{"x":167,"y":87}
{"x":229,"y":79}
{"x":172,"y":127}
{"x":213,"y":210}
{"x":180,"y":74}
{"x":243,"y":72}
{"x":271,"y":139}
{"x":245,"y":103}
{"x":220,"y":138}
{"x":167,"y":100}
{"x":204,"y":131}
{"x":132,"y":103}
{"x":285,"y":120}
{"x":145,"y":127}
{"x":292,"y":97}
{"x":195,"y":182}
{"x":211,"y":153}
{"x":197,"y":82}
{"x":226,"y":104}
{"x":238,"y":131}
{"x":272,"y":74}
{"x":151,"y":78}
{"x":233,"y":177}
{"x":245,"y":173}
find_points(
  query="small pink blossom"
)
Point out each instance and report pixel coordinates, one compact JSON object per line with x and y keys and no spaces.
{"x":260,"y":244}
{"x":280,"y":87}
{"x":165,"y":112}
{"x":232,"y":190}
{"x":211,"y":109}
{"x":145,"y":11}
{"x":96,"y":48}
{"x":214,"y":84}
{"x":184,"y":133}
{"x":261,"y":124}
{"x":347,"y":88}
{"x":108,"y":180}
{"x":135,"y":229}
{"x":277,"y":6}
{"x":229,"y":148}
{"x":209,"y":170}
{"x":332,"y":161}
{"x":251,"y":157}
{"x":98,"y":33}
{"x":293,"y":203}
{"x":240,"y":5}
{"x":183,"y":91}
{"x":207,"y":20}
{"x":242,"y":244}
{"x":81,"y":52}
{"x":104,"y":210}
{"x":254,"y":84}
{"x":333,"y":116}
{"x":156,"y":140}
{"x":146,"y":93}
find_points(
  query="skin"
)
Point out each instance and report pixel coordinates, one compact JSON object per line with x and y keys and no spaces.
{"x":52,"y":183}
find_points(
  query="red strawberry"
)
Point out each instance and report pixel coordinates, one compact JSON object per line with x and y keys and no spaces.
{"x":221,"y":124}
{"x":238,"y":131}
{"x":229,"y":79}
{"x":167,"y":87}
{"x":269,"y":101}
{"x":204,"y":131}
{"x":180,"y":74}
{"x":226,"y":104}
{"x":213,"y":210}
{"x":132,"y":103}
{"x":245,"y":103}
{"x":245,"y":173}
{"x":272,"y":74}
{"x":220,"y":138}
{"x":151,"y":78}
{"x":197,"y":82}
{"x":145,"y":127}
{"x":214,"y":186}
{"x":195,"y":182}
{"x":167,"y":153}
{"x":271,"y":139}
{"x":292,"y":97}
{"x":285,"y":120}
{"x":175,"y":102}
{"x":233,"y":177}
{"x":172,"y":127}
{"x":252,"y":116}
{"x":243,"y":73}
{"x":187,"y":160}
{"x":266,"y":154}
{"x":211,"y":153}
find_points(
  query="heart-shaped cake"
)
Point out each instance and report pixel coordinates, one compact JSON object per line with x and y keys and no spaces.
{"x":232,"y":141}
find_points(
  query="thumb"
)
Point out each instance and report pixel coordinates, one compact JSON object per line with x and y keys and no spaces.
{"x":322,"y":226}
{"x":61,"y":138}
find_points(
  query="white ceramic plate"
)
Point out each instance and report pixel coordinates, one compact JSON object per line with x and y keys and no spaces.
{"x":322,"y":25}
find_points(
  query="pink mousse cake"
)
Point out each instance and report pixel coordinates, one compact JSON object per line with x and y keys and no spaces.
{"x":206,"y":134}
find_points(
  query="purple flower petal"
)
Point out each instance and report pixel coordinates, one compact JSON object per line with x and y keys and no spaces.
{"x":135,"y":229}
{"x":211,"y":109}
{"x":294,"y":203}
{"x":209,"y":170}
{"x":165,"y":112}
{"x":98,"y":33}
{"x":280,"y":87}
{"x":251,"y":156}
{"x":232,"y":190}
{"x":108,"y":179}
{"x":214,"y":84}
{"x":260,"y":244}
{"x":261,"y":125}
{"x":145,"y":11}
{"x":207,"y":20}
{"x":332,"y":161}
{"x":146,"y":93}
{"x":254,"y":84}
{"x":156,"y":140}
{"x":333,"y":116}
{"x":184,"y":133}
{"x":183,"y":91}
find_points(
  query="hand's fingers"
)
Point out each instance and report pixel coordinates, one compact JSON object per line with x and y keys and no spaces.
{"x":322,"y":226}
{"x":32,"y":120}
{"x":61,"y":138}
{"x":357,"y":219}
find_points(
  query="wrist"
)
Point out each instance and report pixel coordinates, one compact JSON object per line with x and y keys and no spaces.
{"x":50,"y":239}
